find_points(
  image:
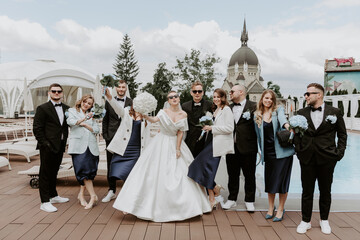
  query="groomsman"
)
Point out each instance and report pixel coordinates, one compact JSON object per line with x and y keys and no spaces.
{"x":51,"y":131}
{"x":245,"y":142}
{"x":110,"y":124}
{"x":195,"y":109}
{"x":318,"y":153}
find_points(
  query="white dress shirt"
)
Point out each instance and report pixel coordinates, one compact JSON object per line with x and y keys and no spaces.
{"x":237,"y":110}
{"x":122,"y":103}
{"x":317,"y":116}
{"x":59,"y":111}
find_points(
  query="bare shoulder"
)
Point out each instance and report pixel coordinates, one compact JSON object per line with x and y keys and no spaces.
{"x":183,"y":114}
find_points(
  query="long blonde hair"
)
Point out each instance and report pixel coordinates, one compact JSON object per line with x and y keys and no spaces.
{"x":260,"y":107}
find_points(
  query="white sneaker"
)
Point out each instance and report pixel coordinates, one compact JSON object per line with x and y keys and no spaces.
{"x":303,"y":227}
{"x":219,"y":199}
{"x":229,"y":204}
{"x":325,"y":227}
{"x":250,"y":206}
{"x":59,"y":199}
{"x":48,"y":207}
{"x":110,"y":196}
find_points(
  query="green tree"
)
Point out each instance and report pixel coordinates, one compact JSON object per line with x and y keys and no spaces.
{"x":194,"y":67}
{"x":275,"y":88}
{"x":126,"y":66}
{"x":163,"y":81}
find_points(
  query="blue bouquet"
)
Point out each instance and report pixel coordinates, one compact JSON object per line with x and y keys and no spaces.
{"x":205,"y":120}
{"x":299,"y":124}
{"x":98,"y":111}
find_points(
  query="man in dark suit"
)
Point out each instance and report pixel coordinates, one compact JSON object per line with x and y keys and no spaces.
{"x":195,"y":109}
{"x":51,"y":131}
{"x":318,"y":154}
{"x":110,"y":124}
{"x":245,"y":149}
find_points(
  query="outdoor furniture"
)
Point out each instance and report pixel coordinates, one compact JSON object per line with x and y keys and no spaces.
{"x":24,"y":148}
{"x":4,"y":162}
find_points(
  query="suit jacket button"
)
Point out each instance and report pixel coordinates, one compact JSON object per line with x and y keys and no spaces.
{"x":142,"y":137}
{"x":128,"y":130}
{"x":124,"y":138}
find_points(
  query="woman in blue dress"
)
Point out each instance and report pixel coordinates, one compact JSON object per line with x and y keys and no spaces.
{"x":270,"y":119}
{"x":83,"y":147}
{"x":219,"y":142}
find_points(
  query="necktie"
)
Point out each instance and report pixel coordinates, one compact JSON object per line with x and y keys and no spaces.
{"x":197,"y":104}
{"x":58,"y":104}
{"x":316,"y":109}
{"x":237,"y":104}
{"x":120,"y":99}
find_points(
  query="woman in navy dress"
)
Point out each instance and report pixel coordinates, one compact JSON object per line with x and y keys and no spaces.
{"x":83,"y":147}
{"x":219,"y":142}
{"x":270,"y":119}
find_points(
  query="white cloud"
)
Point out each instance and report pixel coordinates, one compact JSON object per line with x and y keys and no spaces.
{"x":339,"y":4}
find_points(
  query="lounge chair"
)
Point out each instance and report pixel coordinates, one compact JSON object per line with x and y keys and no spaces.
{"x":4,"y":162}
{"x":24,"y":148}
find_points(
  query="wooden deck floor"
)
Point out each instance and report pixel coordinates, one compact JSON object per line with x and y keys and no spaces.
{"x":21,"y":218}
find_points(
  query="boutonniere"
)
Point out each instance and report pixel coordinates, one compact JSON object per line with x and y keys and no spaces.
{"x":246,"y":115}
{"x":331,"y":118}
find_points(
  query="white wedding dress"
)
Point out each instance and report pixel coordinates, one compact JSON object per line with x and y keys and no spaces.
{"x":158,"y":188}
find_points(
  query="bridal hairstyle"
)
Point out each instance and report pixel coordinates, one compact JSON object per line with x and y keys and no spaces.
{"x":84,"y":98}
{"x":223,"y":98}
{"x":260,"y":108}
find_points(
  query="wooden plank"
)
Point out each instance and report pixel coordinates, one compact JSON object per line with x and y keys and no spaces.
{"x":353,"y":215}
{"x":297,"y":235}
{"x":94,"y":232}
{"x":106,"y":215}
{"x":139,"y":230}
{"x":129,"y":219}
{"x":112,"y":226}
{"x":259,"y":218}
{"x":349,"y":220}
{"x":153,"y":232}
{"x":182,"y":232}
{"x":208,"y":219}
{"x":316,"y":234}
{"x":167,"y":231}
{"x":281,"y":230}
{"x":197,"y":229}
{"x":224,"y":226}
{"x":64,"y":232}
{"x":123,"y":232}
{"x":240,"y":233}
{"x":9,"y":228}
{"x":212,"y":233}
{"x":270,"y":233}
{"x":250,"y":225}
{"x":233,"y":218}
{"x":34,"y":232}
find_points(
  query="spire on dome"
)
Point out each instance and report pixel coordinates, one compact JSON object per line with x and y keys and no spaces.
{"x":244,"y":35}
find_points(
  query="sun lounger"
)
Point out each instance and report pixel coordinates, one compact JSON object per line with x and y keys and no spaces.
{"x":24,"y":148}
{"x":4,"y":162}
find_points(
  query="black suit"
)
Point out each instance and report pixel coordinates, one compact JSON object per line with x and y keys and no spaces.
{"x":51,"y":136}
{"x":245,"y":155}
{"x":194,"y":113}
{"x":318,"y":153}
{"x":110,"y":124}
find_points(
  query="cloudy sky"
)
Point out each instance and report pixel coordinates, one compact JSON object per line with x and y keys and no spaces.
{"x":291,"y":38}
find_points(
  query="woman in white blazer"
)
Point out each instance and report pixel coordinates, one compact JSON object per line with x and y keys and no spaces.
{"x":83,"y":147}
{"x":128,"y":142}
{"x":219,"y":142}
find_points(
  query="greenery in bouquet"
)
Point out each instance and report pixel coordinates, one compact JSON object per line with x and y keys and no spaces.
{"x":109,"y":81}
{"x":98,"y":111}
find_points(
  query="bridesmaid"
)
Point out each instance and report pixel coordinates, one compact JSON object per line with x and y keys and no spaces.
{"x":83,"y":147}
{"x":219,"y":142}
{"x":269,"y":119}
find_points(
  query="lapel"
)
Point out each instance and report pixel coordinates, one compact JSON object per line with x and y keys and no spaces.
{"x":246,"y":107}
{"x":307,"y":111}
{"x":53,"y":112}
{"x":127,"y":102}
{"x":218,"y":115}
{"x":327,"y":112}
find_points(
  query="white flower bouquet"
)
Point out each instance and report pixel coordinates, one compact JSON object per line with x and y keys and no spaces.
{"x":299,"y":124}
{"x":205,"y":120}
{"x":144,"y":103}
{"x":331,"y":118}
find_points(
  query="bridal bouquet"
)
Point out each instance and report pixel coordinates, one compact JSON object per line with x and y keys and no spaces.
{"x":205,"y":120}
{"x":144,"y":103}
{"x":97,"y":111}
{"x":299,"y":124}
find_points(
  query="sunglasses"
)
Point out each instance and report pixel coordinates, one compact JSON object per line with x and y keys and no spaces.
{"x":173,"y":96}
{"x":197,"y":91}
{"x":307,"y":94}
{"x":232,"y":91}
{"x":56,"y":91}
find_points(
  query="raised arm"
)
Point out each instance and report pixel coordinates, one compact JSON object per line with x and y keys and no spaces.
{"x":151,"y":119}
{"x":114,"y":104}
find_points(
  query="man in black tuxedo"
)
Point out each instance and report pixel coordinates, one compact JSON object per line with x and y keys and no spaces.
{"x":51,"y":131}
{"x":245,"y":149}
{"x":195,"y":109}
{"x":318,"y":154}
{"x":110,"y":124}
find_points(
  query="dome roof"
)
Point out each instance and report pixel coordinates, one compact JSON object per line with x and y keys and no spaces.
{"x":242,"y":55}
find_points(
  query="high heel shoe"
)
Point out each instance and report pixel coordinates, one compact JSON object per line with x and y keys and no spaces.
{"x":217,"y":189}
{"x":214,"y":204}
{"x":81,"y":200}
{"x":92,"y":203}
{"x":276,"y":219}
{"x":268,"y":216}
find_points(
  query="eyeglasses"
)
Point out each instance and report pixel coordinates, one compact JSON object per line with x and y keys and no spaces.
{"x":197,"y":91}
{"x":57,"y":91}
{"x":173,"y":96}
{"x":307,"y":94}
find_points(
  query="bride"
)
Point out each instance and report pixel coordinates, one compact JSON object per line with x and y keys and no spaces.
{"x":158,"y":188}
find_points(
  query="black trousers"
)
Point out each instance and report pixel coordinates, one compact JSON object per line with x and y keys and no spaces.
{"x":324,"y":175}
{"x":247,"y":163}
{"x":111,"y":181}
{"x":49,"y":167}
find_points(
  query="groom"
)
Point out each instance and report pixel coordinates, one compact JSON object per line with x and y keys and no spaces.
{"x":195,"y":109}
{"x":318,"y":154}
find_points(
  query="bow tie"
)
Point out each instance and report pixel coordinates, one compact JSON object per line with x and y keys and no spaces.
{"x":120,"y":99}
{"x":197,"y":104}
{"x":316,"y":109}
{"x":58,"y":105}
{"x":237,"y":104}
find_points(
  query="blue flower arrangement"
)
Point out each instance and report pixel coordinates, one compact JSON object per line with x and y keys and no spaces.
{"x":98,"y":111}
{"x":331,"y":118}
{"x":246,"y":115}
{"x":205,"y":120}
{"x":299,"y":124}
